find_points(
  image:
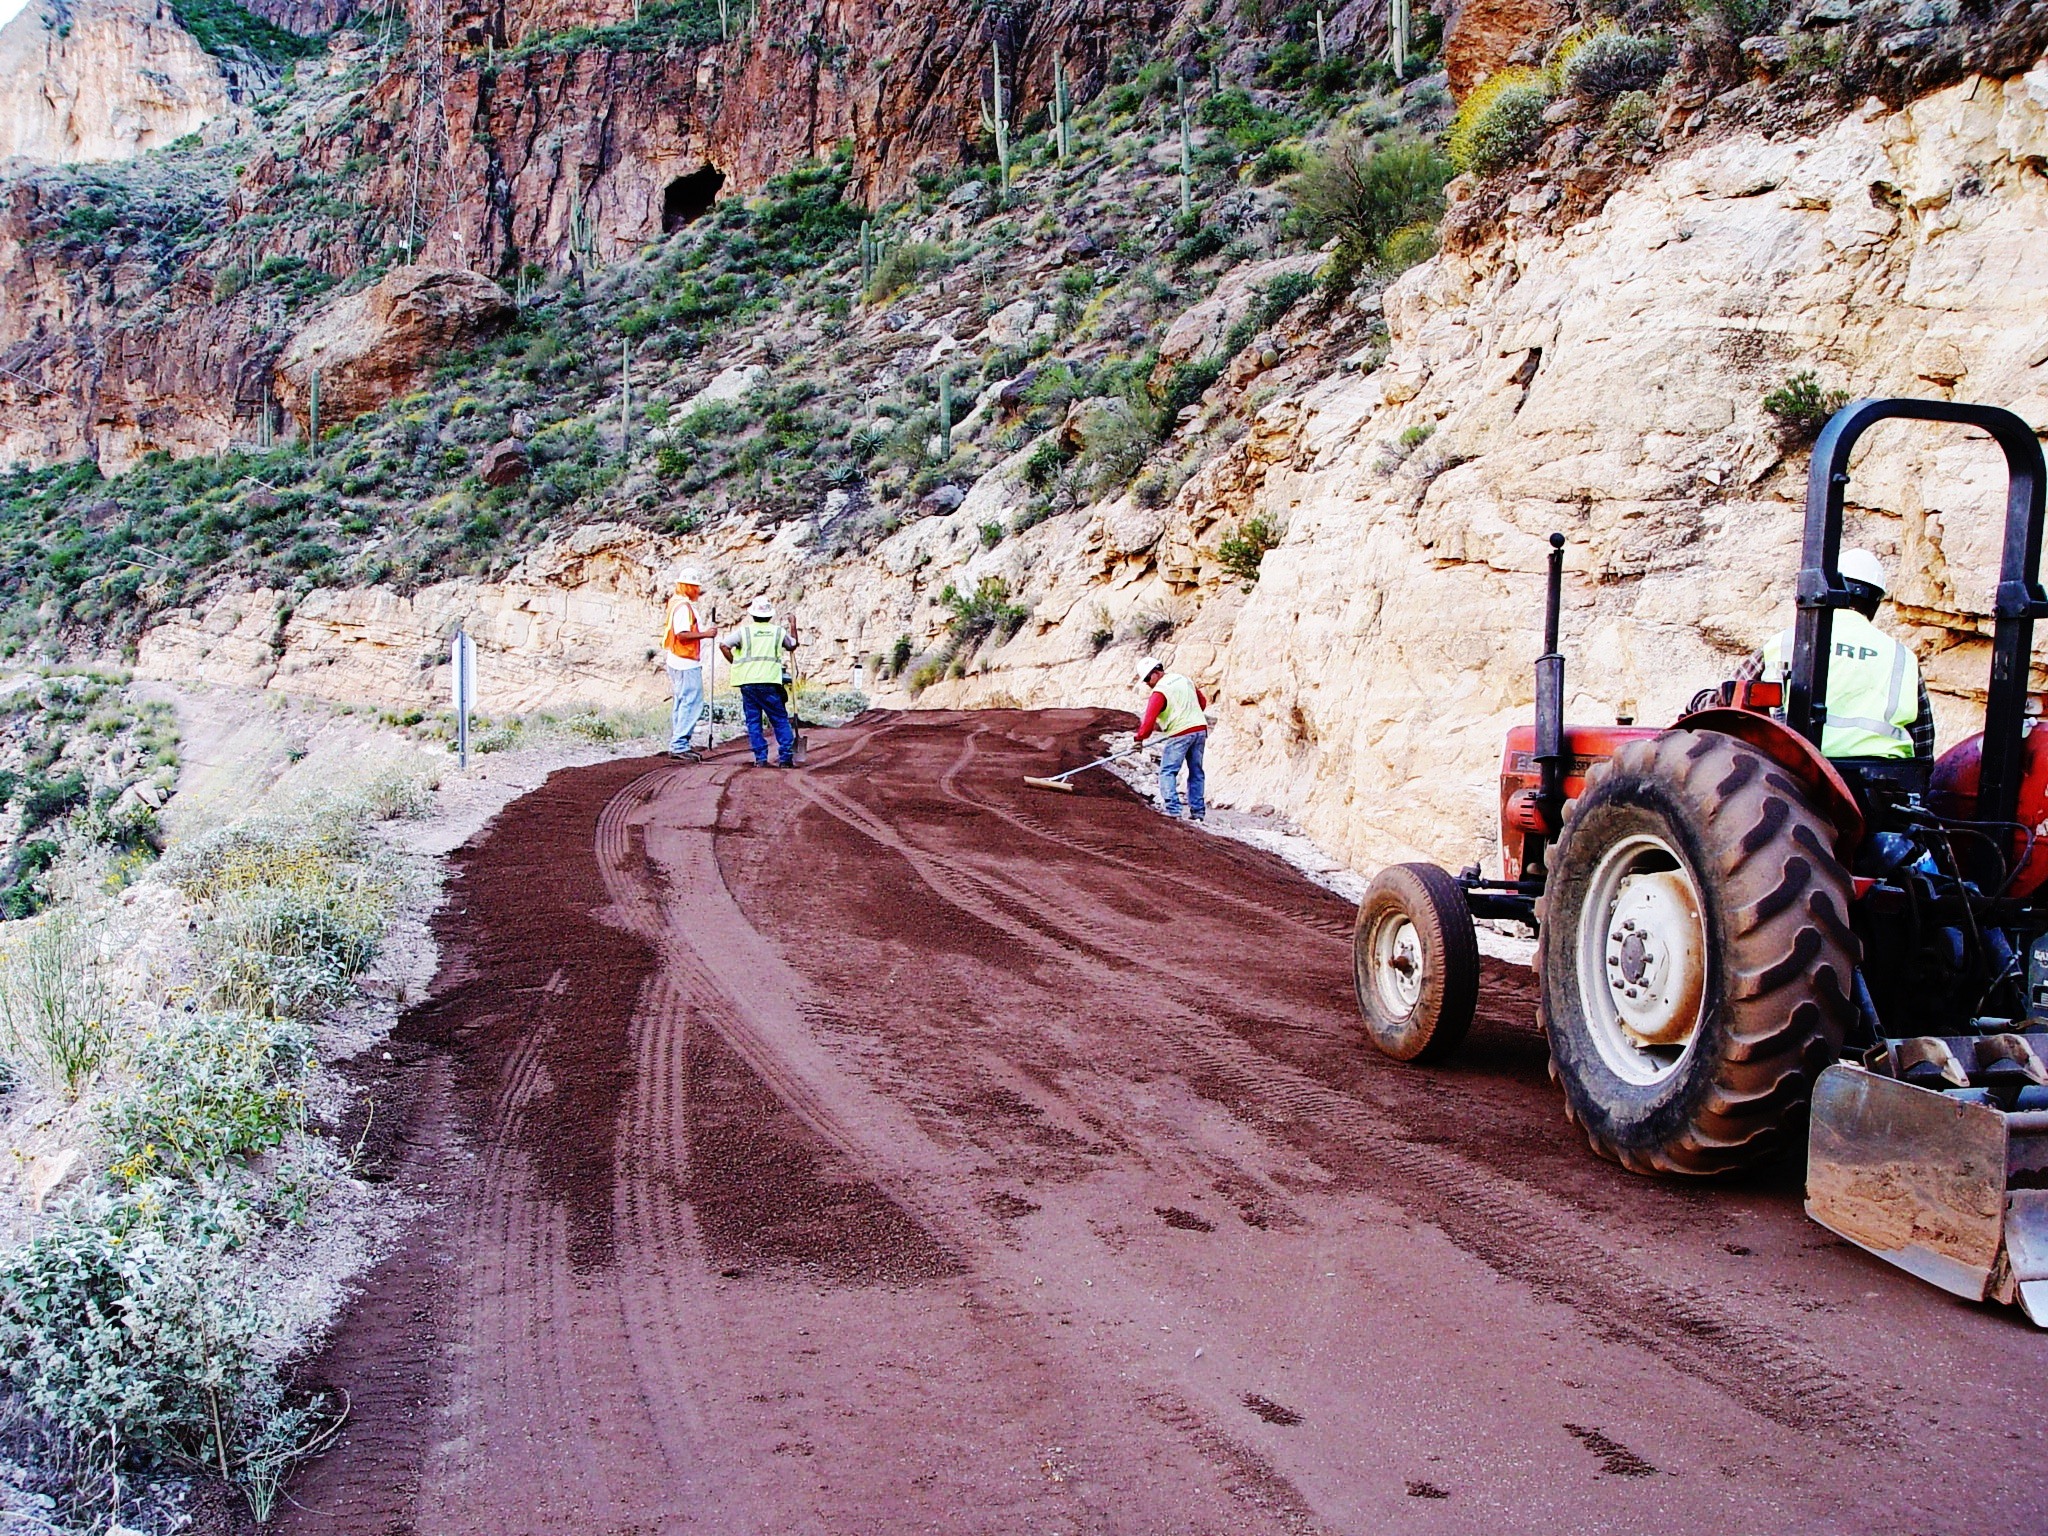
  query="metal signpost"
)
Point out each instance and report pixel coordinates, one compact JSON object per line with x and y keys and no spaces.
{"x":463,"y":666}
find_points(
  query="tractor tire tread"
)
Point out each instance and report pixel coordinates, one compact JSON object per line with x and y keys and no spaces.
{"x":1784,"y":926}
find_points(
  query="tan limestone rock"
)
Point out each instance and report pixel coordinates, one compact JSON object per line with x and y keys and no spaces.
{"x":102,"y":80}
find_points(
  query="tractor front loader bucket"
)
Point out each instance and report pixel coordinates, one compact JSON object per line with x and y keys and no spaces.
{"x":1948,"y":1187}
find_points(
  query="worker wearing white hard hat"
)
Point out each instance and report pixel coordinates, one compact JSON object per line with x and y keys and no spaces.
{"x":1877,"y":704}
{"x":1174,"y":711}
{"x":684,"y":631}
{"x":756,"y":650}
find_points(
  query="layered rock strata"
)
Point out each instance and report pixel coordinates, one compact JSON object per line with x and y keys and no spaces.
{"x":1606,"y":382}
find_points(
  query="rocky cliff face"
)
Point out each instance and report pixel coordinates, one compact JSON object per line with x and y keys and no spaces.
{"x":1605,"y":381}
{"x":87,"y":80}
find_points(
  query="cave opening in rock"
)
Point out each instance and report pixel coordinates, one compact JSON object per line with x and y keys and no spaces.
{"x":690,"y":197}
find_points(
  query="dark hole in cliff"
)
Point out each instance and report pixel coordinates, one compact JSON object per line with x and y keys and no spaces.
{"x":690,"y":197}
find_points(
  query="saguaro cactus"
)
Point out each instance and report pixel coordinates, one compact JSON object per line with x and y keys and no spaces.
{"x":313,"y":414}
{"x":1187,"y":150}
{"x":996,"y":118}
{"x":945,"y":414}
{"x":1062,"y":111}
{"x":1400,"y":35}
{"x":1322,"y":39}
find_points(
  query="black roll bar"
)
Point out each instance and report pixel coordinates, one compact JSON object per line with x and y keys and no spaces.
{"x":2019,"y":601}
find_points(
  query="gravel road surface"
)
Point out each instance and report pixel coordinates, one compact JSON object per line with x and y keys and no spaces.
{"x":888,"y":1147}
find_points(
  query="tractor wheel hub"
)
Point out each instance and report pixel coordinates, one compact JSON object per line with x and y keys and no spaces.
{"x":1656,"y":948}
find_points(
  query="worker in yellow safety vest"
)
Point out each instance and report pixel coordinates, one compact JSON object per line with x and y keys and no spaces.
{"x":1174,"y":711}
{"x":755,"y":651}
{"x":1877,"y":703}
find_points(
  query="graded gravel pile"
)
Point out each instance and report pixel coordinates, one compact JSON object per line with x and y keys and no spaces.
{"x":888,"y":1147}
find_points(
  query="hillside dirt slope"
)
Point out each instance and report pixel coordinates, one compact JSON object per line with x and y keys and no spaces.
{"x":888,"y":1146}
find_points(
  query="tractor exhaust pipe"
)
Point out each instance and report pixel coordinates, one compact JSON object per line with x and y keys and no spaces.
{"x":1550,"y":696}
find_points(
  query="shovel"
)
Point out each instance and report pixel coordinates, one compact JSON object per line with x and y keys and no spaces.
{"x":1059,"y":780}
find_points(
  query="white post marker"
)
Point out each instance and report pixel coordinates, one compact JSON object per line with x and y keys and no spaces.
{"x":462,"y":663}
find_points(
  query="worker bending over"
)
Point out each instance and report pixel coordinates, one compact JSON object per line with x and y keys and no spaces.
{"x":682,"y":642}
{"x":1175,"y":712}
{"x":1877,"y":703}
{"x":755,"y":651}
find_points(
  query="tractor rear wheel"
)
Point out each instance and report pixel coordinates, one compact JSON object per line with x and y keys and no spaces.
{"x":1695,"y":955}
{"x":1415,"y":962}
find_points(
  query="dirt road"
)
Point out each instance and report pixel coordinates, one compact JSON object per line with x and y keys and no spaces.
{"x":887,"y":1147}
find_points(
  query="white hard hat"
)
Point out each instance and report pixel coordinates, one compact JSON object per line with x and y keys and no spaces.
{"x":689,"y":576}
{"x":762,"y":609}
{"x":1148,"y":666}
{"x":1861,"y":565}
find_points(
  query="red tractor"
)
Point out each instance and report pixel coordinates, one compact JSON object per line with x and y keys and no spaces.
{"x":1740,"y":941}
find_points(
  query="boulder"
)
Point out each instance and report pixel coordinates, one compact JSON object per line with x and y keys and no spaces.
{"x":1011,"y":325}
{"x":1089,"y":421}
{"x":504,"y":463}
{"x":385,"y":341}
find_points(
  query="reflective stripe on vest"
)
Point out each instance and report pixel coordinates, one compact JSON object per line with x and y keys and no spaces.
{"x":1183,"y":709}
{"x":682,"y":614}
{"x":1873,"y":688}
{"x":758,"y":657}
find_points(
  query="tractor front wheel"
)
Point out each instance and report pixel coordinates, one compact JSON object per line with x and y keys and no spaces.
{"x":1415,"y":962}
{"x":1695,"y":955}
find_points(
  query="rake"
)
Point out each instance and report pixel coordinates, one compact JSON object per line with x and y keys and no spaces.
{"x":1059,"y":782}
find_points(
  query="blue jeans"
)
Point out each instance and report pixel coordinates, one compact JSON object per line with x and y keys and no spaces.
{"x":688,"y":683}
{"x":756,"y":700}
{"x":1178,"y":750}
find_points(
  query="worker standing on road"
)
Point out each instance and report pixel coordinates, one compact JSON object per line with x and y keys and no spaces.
{"x":1175,"y":712}
{"x":1877,"y":702}
{"x":756,"y":652}
{"x":682,"y":642}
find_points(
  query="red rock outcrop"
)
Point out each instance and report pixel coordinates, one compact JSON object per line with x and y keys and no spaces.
{"x":1483,"y":35}
{"x":475,"y":153}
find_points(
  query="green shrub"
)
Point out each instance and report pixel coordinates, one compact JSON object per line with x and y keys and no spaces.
{"x":1281,"y":295}
{"x":1611,"y":62}
{"x":1200,"y":243}
{"x":1245,"y":549}
{"x":1188,"y":382}
{"x":899,"y":655}
{"x":1363,"y":191}
{"x":288,"y":951}
{"x":51,"y":798}
{"x":55,"y":1012}
{"x":991,"y":535}
{"x":209,"y":1087}
{"x":1408,"y":246}
{"x":1632,"y":117}
{"x":903,"y":265}
{"x":223,"y":29}
{"x":1500,"y":123}
{"x":987,"y":610}
{"x":129,"y":1323}
{"x":1802,"y":407}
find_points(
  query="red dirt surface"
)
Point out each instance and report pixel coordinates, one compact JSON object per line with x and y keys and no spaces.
{"x":888,"y":1147}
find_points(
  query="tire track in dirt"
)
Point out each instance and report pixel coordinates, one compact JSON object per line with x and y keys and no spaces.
{"x":919,"y":1187}
{"x":845,"y":1150}
{"x":1694,"y":1333}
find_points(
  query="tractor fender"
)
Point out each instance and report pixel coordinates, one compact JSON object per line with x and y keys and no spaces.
{"x":1830,"y":793}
